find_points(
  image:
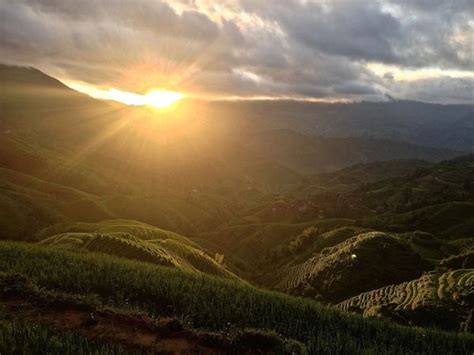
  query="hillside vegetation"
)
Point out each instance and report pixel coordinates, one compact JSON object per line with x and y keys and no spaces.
{"x":203,"y":302}
{"x":366,"y":261}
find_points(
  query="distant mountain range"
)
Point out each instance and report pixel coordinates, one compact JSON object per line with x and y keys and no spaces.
{"x":308,"y":154}
{"x":281,"y":135}
{"x":442,"y":126}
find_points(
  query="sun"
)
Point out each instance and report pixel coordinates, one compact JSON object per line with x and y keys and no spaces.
{"x":159,"y":98}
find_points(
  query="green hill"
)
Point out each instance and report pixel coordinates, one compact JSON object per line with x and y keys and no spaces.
{"x":216,"y":304}
{"x":447,"y":181}
{"x":363,"y":262}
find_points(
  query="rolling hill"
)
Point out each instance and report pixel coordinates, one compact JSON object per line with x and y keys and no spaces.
{"x":174,"y":227}
{"x":363,"y":262}
{"x":338,"y":242}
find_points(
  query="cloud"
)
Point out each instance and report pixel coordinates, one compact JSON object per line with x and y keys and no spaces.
{"x":346,"y":29}
{"x":452,"y":90}
{"x":247,"y":47}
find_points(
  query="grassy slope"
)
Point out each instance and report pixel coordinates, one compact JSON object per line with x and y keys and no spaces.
{"x":87,"y":316}
{"x":134,"y":240}
{"x":215,"y":304}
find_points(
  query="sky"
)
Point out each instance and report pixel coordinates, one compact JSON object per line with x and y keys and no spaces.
{"x":326,"y":50}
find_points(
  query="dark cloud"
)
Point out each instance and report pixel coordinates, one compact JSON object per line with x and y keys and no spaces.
{"x":436,"y":33}
{"x":154,"y":16}
{"x":346,"y":29}
{"x":408,"y":32}
{"x":254,"y":47}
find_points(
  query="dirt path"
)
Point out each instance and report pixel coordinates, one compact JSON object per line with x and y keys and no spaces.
{"x":133,"y":332}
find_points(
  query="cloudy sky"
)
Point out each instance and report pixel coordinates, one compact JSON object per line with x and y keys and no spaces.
{"x":311,"y":50}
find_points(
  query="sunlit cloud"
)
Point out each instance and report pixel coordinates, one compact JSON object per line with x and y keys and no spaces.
{"x":247,"y":75}
{"x":398,"y":73}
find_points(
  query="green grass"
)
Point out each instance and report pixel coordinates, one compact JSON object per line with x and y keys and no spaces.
{"x":215,"y":304}
{"x":23,"y":338}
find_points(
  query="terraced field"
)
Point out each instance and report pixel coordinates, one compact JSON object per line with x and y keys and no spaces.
{"x":463,"y":245}
{"x":364,"y":262}
{"x":123,"y":245}
{"x":140,"y":230}
{"x":136,"y":241}
{"x":462,"y":261}
{"x":443,"y":300}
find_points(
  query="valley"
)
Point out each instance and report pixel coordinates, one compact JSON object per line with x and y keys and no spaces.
{"x":229,"y":230}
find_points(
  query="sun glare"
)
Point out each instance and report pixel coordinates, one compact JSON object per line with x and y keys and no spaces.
{"x":162,"y":98}
{"x":156,"y":98}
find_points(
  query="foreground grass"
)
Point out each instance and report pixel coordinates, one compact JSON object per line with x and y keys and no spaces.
{"x":215,"y":304}
{"x":23,"y":338}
